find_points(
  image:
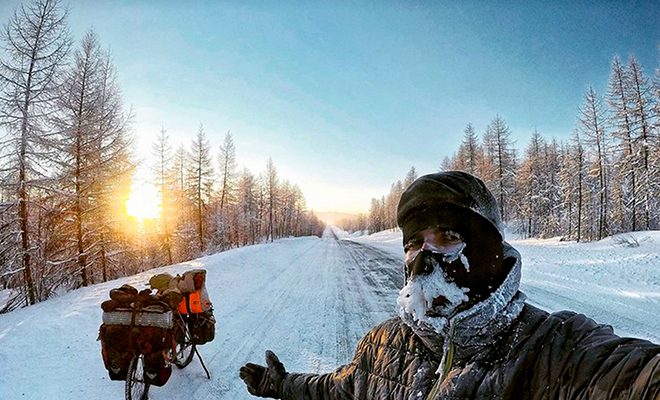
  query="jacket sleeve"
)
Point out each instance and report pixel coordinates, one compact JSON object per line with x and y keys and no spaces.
{"x":333,"y":386}
{"x":573,"y":357}
{"x":611,"y":367}
{"x":337,"y":385}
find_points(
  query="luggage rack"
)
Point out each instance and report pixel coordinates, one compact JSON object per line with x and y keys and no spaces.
{"x":148,"y":316}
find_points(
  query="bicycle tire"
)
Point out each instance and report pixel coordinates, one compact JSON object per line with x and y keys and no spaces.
{"x":136,"y":387}
{"x":185,"y":350}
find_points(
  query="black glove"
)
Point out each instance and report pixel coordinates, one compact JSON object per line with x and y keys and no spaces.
{"x":262,"y":381}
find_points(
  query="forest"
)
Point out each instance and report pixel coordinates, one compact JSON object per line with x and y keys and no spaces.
{"x":68,"y":160}
{"x":603,"y":181}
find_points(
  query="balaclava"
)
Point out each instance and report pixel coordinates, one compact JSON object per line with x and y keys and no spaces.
{"x":459,"y":202}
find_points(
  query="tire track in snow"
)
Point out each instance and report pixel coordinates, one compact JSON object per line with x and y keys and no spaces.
{"x":379,"y":271}
{"x":380,"y":268}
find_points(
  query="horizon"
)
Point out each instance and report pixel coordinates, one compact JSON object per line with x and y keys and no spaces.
{"x":346,"y":98}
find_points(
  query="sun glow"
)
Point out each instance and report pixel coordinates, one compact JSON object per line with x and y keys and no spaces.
{"x":143,"y":202}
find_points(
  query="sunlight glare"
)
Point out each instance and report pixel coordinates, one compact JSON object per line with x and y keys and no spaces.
{"x":143,"y":202}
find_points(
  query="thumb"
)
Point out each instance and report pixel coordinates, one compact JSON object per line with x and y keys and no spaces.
{"x":274,"y":365}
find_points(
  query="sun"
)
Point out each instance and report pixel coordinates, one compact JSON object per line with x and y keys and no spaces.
{"x":143,"y":202}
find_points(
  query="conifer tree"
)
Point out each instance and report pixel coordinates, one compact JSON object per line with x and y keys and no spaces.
{"x":78,"y":145}
{"x":200,"y":188}
{"x":529,"y":178}
{"x":115,"y":168}
{"x":592,"y":122}
{"x":500,"y":167}
{"x":248,"y":212}
{"x":227,"y":189}
{"x":410,"y":178}
{"x":469,"y":150}
{"x":162,"y":153}
{"x":643,"y":127}
{"x":271,"y":186}
{"x":36,"y":41}
{"x":620,"y":100}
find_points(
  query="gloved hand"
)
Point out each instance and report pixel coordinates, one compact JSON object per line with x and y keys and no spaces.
{"x":262,"y":381}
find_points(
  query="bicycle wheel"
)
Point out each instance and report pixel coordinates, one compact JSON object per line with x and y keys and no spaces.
{"x":136,"y":387}
{"x":185,"y":348}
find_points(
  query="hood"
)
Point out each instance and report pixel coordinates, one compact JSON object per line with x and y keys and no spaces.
{"x":447,"y":199}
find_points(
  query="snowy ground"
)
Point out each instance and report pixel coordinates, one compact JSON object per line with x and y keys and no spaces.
{"x":309,"y":300}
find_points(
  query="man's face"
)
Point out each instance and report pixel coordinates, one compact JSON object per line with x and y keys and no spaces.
{"x":434,"y":258}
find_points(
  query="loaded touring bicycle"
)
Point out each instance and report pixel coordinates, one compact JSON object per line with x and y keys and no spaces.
{"x":144,"y":333}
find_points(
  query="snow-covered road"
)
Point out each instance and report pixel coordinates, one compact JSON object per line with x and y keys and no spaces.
{"x":309,"y":300}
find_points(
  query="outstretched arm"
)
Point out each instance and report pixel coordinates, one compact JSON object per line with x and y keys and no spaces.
{"x":337,"y":385}
{"x":274,"y":382}
{"x":571,"y":356}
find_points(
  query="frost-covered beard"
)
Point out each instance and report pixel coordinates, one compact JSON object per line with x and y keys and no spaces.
{"x":417,"y":296}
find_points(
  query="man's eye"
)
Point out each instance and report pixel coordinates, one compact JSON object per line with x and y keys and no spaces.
{"x":412,"y":244}
{"x":453,"y":236}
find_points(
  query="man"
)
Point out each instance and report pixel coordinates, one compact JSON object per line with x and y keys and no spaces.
{"x":464,"y":329}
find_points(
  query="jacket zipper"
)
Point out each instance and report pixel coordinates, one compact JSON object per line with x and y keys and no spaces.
{"x":448,"y":358}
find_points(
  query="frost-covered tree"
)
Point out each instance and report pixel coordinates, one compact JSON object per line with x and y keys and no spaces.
{"x":468,"y":151}
{"x":551,"y":192}
{"x":182,"y":218}
{"x":114,"y":149}
{"x":620,"y":100}
{"x":271,"y":184}
{"x":288,"y":197}
{"x":499,"y":168}
{"x":224,"y":210}
{"x":377,"y":215}
{"x":530,"y":176}
{"x":94,"y":160}
{"x":447,"y":164}
{"x":592,"y":124}
{"x":248,"y":213}
{"x":572,"y":177}
{"x":410,"y":178}
{"x":200,"y":185}
{"x":79,"y":155}
{"x":227,"y":170}
{"x":36,"y":43}
{"x":392,"y":200}
{"x":161,"y":150}
{"x":644,"y":133}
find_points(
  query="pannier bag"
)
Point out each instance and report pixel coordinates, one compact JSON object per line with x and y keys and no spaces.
{"x":115,"y":350}
{"x":147,"y":339}
{"x":157,"y":370}
{"x":202,"y":327}
{"x":193,"y":286}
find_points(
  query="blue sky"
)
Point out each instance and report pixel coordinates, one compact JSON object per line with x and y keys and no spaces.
{"x":346,"y":96}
